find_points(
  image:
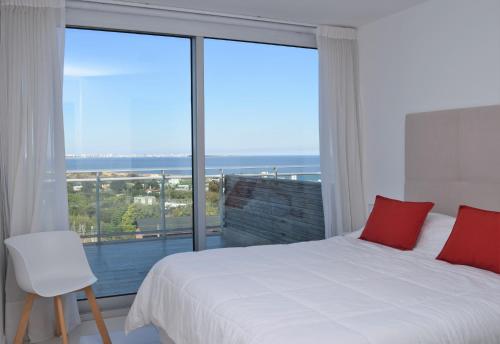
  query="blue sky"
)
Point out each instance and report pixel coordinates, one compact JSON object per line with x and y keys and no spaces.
{"x":130,"y":94}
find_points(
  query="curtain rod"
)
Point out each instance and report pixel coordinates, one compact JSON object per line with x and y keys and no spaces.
{"x":197,"y":12}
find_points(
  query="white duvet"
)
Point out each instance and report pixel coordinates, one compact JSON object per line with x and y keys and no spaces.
{"x":339,"y":290}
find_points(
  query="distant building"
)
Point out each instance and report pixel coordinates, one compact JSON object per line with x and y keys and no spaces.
{"x":147,"y":200}
{"x":77,"y":188}
{"x":174,"y":181}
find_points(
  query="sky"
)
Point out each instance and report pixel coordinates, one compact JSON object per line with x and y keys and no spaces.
{"x":130,"y":94}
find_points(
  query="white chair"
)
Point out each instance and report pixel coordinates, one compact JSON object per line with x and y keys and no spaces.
{"x":51,"y":264}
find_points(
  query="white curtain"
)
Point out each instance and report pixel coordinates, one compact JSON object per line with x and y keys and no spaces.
{"x":32,"y":167}
{"x":340,"y":131}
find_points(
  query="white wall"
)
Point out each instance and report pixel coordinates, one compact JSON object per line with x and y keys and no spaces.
{"x":441,"y":54}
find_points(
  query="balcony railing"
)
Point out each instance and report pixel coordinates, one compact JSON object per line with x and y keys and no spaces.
{"x":163,"y":196}
{"x":134,"y":211}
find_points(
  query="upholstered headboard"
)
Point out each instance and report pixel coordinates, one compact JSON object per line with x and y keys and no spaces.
{"x":453,"y":158}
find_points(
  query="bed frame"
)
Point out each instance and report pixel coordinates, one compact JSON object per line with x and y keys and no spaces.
{"x":453,"y":158}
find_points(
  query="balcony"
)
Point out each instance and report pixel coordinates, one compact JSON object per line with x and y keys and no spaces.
{"x":128,"y":220}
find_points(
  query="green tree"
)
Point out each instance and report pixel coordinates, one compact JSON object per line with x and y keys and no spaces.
{"x":213,"y":186}
{"x":129,"y":219}
{"x":181,"y":211}
{"x":88,"y":187}
{"x":152,"y":184}
{"x":212,"y":203}
{"x":118,"y":186}
{"x":138,"y":189}
{"x":178,"y":194}
{"x":80,"y":204}
{"x":117,"y":214}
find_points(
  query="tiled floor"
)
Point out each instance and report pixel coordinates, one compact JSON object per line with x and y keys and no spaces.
{"x":87,"y":333}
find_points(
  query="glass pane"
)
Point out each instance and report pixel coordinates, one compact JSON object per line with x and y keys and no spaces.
{"x":262,"y":144}
{"x":127,"y":112}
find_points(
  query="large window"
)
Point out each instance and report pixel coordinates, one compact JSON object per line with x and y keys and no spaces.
{"x":127,"y":112}
{"x":128,"y":130}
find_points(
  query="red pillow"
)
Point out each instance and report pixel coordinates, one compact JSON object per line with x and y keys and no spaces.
{"x":474,"y":240}
{"x":396,"y":223}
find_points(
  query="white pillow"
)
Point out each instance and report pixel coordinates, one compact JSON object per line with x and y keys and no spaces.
{"x":355,"y":234}
{"x":435,"y":232}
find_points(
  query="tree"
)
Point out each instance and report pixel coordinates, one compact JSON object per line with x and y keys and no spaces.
{"x":213,"y":186}
{"x":212,"y":204}
{"x":181,"y":211}
{"x":80,"y":204}
{"x":138,"y":189}
{"x":117,"y":214}
{"x":82,"y":224}
{"x":153,"y":185}
{"x":130,"y":217}
{"x":88,"y":187}
{"x":178,"y":194}
{"x":118,"y":186}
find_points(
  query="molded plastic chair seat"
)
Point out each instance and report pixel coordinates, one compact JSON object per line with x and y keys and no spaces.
{"x":51,"y":264}
{"x":53,"y":286}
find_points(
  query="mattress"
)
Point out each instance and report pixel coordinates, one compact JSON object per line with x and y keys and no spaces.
{"x":338,"y":290}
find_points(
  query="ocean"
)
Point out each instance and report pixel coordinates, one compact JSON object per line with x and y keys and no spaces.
{"x":182,"y":165}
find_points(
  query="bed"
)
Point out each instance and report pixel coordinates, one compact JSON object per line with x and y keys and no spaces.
{"x":342,"y":289}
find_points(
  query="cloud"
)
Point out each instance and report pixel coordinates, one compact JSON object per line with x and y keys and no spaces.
{"x":89,"y":71}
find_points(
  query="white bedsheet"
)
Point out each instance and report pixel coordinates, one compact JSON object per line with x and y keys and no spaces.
{"x":339,"y":290}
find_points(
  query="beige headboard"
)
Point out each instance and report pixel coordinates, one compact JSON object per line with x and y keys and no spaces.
{"x":453,"y":158}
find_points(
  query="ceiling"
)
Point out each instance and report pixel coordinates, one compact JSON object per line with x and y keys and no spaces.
{"x":334,"y":12}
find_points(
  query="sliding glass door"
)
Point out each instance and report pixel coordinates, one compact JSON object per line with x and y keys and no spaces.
{"x":127,"y":112}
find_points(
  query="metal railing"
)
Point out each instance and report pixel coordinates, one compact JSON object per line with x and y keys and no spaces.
{"x":163,"y":177}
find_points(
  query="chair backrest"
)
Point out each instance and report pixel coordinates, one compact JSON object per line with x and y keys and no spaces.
{"x":54,"y":254}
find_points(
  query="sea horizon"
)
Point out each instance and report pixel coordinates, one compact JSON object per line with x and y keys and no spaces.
{"x":183,"y":164}
{"x":112,"y":155}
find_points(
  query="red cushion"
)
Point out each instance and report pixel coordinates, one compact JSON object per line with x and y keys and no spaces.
{"x":396,"y":223}
{"x":474,"y":240}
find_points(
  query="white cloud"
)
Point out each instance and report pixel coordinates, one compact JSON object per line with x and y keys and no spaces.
{"x":86,"y":71}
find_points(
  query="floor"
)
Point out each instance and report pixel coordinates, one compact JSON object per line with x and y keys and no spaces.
{"x":121,"y":267}
{"x":87,"y":333}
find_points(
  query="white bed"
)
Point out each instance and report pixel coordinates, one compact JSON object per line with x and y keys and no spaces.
{"x":339,"y":290}
{"x":344,"y":290}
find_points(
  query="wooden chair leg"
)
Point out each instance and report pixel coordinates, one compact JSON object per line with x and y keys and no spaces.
{"x":25,"y":316}
{"x":60,"y":319}
{"x":101,"y":326}
{"x":58,"y":325}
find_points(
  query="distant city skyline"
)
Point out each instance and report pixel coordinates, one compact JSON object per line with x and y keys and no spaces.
{"x":129,"y":95}
{"x":111,"y":155}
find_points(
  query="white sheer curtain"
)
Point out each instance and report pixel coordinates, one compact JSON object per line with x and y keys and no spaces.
{"x":32,"y":168}
{"x":340,"y":137}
